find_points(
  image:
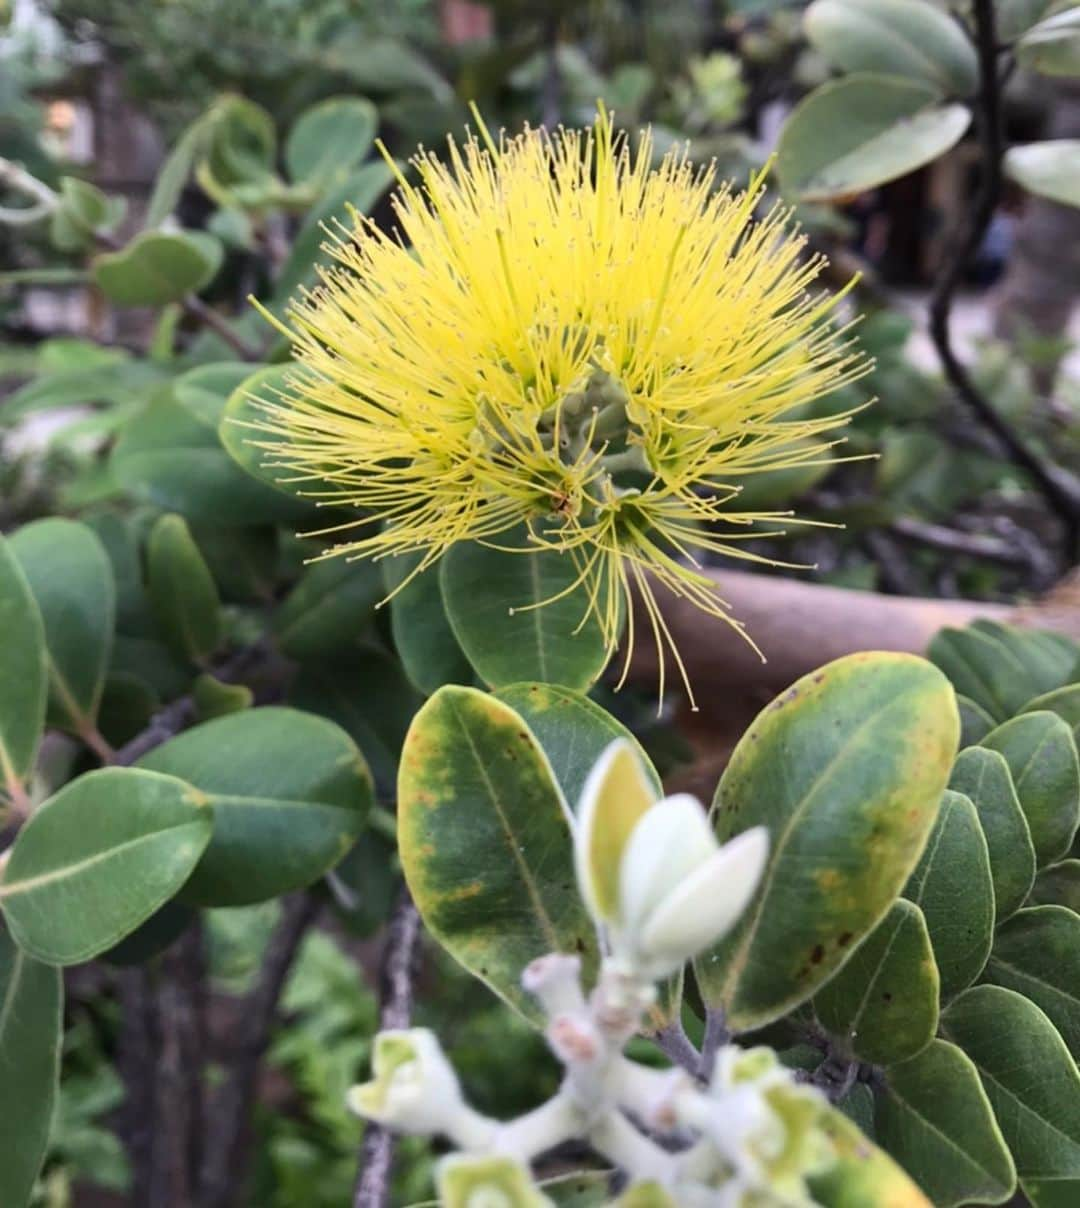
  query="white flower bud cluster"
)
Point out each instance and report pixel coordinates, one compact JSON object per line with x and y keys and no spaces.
{"x":661,"y":889}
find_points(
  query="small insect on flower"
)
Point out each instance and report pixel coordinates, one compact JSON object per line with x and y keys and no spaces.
{"x":559,"y":336}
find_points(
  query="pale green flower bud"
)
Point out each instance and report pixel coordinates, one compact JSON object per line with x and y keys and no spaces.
{"x":769,"y":1127}
{"x":653,"y":872}
{"x":414,"y":1088}
{"x":469,"y":1182}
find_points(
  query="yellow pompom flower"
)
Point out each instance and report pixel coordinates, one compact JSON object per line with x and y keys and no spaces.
{"x":559,"y":336}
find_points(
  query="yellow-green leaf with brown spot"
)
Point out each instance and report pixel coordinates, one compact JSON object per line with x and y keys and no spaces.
{"x":846,"y":769}
{"x":486,"y":841}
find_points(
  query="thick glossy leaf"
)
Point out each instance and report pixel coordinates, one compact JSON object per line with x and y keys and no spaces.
{"x":24,"y":682}
{"x":933,"y":1116}
{"x":243,"y":561}
{"x":1048,"y":658}
{"x":862,"y":131}
{"x":175,"y":171}
{"x":846,"y":770}
{"x":149,"y":939}
{"x":1053,"y":46}
{"x":907,"y":38}
{"x":1050,"y":169}
{"x":157,"y":268}
{"x":328,"y":140}
{"x":367,"y":693}
{"x":863,"y":1176}
{"x":204,"y":391}
{"x":31,"y":996}
{"x":69,"y":573}
{"x":573,"y":731}
{"x":182,"y":591}
{"x":170,"y":458}
{"x":984,"y":669}
{"x":241,"y":426}
{"x":495,"y":600}
{"x":975,"y":722}
{"x":983,"y":776}
{"x":426,"y":644}
{"x":112,"y":830}
{"x":1037,"y":953}
{"x":289,"y":793}
{"x":330,"y":608}
{"x":485,"y":841}
{"x":1016,"y":16}
{"x":883,"y":1004}
{"x":954,"y":888}
{"x":1065,"y":702}
{"x":1041,"y":754}
{"x":1032,"y":1083}
{"x":1059,"y":885}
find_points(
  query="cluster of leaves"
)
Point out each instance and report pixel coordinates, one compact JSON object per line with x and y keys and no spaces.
{"x":909,"y":74}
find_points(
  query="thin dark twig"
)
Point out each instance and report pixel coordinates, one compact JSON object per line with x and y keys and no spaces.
{"x":396,"y":971}
{"x":180,"y":713}
{"x":1059,"y":488}
{"x":180,"y":1072}
{"x":198,"y":310}
{"x":716,"y":1035}
{"x":228,"y":1114}
{"x":674,"y":1043}
{"x":138,"y":1061}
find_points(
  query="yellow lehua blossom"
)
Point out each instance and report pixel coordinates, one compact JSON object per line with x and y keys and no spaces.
{"x":560,"y":336}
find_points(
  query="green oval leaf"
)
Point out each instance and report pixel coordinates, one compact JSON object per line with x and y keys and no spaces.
{"x":71,"y":578}
{"x":24,"y":684}
{"x":1065,"y":702}
{"x":846,"y":769}
{"x":862,"y":131}
{"x":1058,"y":885}
{"x":1050,"y":169}
{"x":1015,"y":16}
{"x":423,"y":638}
{"x":155,"y":269}
{"x":933,"y":1116}
{"x":1037,"y":953}
{"x":1032,"y":1084}
{"x":984,"y":669}
{"x":975,"y":722}
{"x":883,"y":1004}
{"x":573,"y":731}
{"x":182,"y":591}
{"x":289,"y":793}
{"x":495,"y":601}
{"x":168,"y":457}
{"x":242,"y":427}
{"x":31,"y":1000}
{"x":1041,"y":754}
{"x":205,"y":390}
{"x":1053,"y":46}
{"x":118,"y":827}
{"x":331,"y":607}
{"x":984,"y":778}
{"x":953,"y":887}
{"x":328,"y":140}
{"x":366,"y":693}
{"x":486,"y":843}
{"x":906,"y":38}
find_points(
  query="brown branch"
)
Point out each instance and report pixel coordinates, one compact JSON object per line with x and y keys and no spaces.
{"x":180,"y":713}
{"x":399,"y":956}
{"x":1058,"y":487}
{"x":228,"y":1116}
{"x":140,"y":1044}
